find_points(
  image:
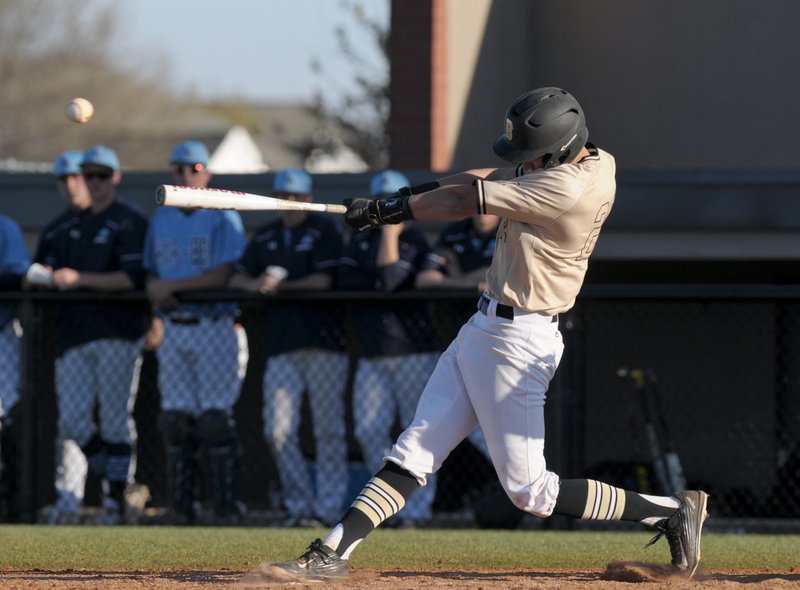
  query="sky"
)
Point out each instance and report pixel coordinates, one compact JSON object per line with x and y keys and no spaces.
{"x":257,"y":50}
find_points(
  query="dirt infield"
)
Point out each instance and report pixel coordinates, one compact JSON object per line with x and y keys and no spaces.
{"x":619,"y":575}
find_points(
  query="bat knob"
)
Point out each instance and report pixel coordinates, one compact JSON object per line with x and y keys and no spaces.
{"x":160,"y":195}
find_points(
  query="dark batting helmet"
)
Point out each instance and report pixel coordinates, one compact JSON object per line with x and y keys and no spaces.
{"x":545,"y":122}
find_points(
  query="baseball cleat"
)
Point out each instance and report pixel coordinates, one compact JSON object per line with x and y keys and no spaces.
{"x":318,"y":564}
{"x":683,"y":530}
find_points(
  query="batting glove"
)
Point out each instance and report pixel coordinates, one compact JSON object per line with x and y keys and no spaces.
{"x":364,"y":214}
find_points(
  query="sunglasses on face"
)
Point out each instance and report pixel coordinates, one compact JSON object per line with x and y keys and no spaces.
{"x":97,"y":175}
{"x":189,"y":169}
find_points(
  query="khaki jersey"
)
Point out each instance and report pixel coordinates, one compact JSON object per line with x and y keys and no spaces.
{"x":551,"y":221}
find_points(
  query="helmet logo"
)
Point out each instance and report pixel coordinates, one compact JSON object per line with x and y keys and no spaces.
{"x":566,"y":145}
{"x":509,"y":129}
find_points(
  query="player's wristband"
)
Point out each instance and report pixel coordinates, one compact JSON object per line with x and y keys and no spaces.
{"x":393,"y":209}
{"x":407,"y":191}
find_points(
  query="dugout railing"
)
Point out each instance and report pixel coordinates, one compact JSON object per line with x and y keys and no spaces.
{"x":722,"y":359}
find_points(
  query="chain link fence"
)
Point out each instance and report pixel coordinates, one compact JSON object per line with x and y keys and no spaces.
{"x":712,"y":372}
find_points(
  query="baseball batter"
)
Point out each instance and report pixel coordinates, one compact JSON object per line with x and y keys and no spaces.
{"x":496,"y":372}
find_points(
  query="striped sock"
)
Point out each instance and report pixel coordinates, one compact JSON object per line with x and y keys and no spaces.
{"x":588,"y":499}
{"x":383,"y":496}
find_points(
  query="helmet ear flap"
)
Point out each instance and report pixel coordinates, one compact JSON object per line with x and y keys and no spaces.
{"x":575,"y":145}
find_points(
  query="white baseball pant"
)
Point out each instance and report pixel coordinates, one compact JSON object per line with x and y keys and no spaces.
{"x":201,"y":366}
{"x":495,"y":373}
{"x":103,"y":372}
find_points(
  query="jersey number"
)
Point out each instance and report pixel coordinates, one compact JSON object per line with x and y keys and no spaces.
{"x":591,"y":240}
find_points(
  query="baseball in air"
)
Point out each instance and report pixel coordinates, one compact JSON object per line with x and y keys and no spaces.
{"x":79,"y":110}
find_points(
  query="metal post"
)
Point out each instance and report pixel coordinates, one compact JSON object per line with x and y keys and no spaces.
{"x":27,"y":444}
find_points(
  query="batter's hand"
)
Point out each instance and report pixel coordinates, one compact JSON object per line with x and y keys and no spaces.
{"x":361,"y":214}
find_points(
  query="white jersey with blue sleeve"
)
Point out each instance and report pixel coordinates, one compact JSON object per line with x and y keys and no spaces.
{"x":181,"y":244}
{"x":203,"y":355}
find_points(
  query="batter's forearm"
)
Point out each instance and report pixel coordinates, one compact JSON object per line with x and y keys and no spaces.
{"x":447,"y":203}
{"x":467,"y":177}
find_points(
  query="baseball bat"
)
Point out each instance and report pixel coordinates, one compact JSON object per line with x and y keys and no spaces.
{"x":212,"y":198}
{"x":637,"y":376}
{"x":671,"y":458}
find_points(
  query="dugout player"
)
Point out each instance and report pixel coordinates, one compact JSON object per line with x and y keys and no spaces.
{"x":99,"y":344}
{"x":14,"y":262}
{"x":305,"y":346}
{"x":397,"y":347}
{"x":552,"y":202}
{"x":203,"y":355}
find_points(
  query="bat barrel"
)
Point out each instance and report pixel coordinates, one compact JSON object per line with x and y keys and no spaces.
{"x":221,"y":199}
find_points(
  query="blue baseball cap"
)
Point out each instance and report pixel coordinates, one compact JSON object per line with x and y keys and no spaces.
{"x":292,"y":180}
{"x":101,"y":155}
{"x":68,"y":162}
{"x":190,"y":152}
{"x":387,"y":182}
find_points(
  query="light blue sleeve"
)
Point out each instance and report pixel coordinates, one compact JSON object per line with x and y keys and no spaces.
{"x":14,"y":256}
{"x":231,"y":240}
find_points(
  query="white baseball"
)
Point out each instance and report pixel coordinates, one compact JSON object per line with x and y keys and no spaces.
{"x":79,"y":110}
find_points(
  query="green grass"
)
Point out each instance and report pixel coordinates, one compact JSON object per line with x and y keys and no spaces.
{"x":166,"y":548}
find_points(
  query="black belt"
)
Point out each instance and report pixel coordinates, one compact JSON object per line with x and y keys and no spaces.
{"x":502,"y":311}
